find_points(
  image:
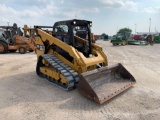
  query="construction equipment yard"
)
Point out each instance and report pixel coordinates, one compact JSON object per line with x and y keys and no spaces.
{"x":26,"y":96}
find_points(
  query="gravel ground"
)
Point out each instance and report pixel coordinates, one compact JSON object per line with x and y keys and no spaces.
{"x":25,"y":96}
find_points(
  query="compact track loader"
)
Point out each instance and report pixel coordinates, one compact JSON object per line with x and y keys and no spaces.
{"x":69,"y":61}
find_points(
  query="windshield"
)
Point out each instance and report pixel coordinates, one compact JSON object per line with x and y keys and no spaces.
{"x":80,"y":28}
{"x":1,"y":32}
{"x":119,"y":34}
{"x":61,"y":29}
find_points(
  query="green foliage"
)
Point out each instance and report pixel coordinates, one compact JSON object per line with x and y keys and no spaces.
{"x":103,"y":34}
{"x":122,"y":30}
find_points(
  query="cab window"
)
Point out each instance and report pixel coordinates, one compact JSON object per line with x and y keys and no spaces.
{"x":61,"y":29}
{"x":1,"y":32}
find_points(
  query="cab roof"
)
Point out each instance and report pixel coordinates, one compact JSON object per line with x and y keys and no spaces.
{"x":78,"y":22}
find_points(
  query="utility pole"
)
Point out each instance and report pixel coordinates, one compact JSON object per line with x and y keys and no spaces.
{"x":135,"y":28}
{"x":149,"y":24}
{"x":75,"y":16}
{"x":8,"y":23}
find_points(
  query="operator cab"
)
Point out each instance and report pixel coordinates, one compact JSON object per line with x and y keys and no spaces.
{"x":123,"y":35}
{"x":5,"y":34}
{"x":9,"y":32}
{"x":67,"y":30}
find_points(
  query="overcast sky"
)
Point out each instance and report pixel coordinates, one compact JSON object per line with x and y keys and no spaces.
{"x":107,"y":15}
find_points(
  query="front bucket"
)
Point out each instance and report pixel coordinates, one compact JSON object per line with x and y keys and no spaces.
{"x":104,"y":83}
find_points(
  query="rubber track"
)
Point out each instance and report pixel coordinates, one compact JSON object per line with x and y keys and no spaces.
{"x":60,"y":67}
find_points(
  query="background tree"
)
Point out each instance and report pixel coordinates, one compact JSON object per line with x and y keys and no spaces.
{"x":125,"y":30}
{"x":103,"y":34}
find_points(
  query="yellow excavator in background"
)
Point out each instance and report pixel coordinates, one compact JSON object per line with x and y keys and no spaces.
{"x":69,"y":61}
{"x":30,"y":33}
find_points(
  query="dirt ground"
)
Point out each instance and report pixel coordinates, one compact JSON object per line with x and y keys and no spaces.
{"x":25,"y":96}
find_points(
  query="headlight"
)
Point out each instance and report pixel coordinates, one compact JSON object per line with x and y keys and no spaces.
{"x":90,"y":24}
{"x":74,"y":22}
{"x":40,"y":47}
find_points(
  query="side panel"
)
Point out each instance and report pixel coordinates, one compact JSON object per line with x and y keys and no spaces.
{"x":13,"y":47}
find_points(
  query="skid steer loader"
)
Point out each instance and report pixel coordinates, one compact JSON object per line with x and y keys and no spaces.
{"x":69,"y":61}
